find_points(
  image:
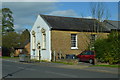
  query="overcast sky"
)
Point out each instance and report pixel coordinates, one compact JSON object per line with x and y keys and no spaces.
{"x":25,"y":13}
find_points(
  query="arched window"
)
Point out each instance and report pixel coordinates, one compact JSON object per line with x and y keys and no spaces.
{"x":43,"y":38}
{"x":33,"y":39}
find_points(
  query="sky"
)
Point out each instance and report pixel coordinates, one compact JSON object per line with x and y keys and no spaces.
{"x":25,"y":13}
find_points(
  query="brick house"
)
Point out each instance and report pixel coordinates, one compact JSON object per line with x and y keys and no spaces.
{"x":19,"y":50}
{"x":63,"y":35}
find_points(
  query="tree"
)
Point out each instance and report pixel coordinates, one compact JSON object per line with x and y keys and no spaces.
{"x":107,"y":50}
{"x":100,"y":12}
{"x":12,"y":40}
{"x":9,"y":41}
{"x":24,"y":36}
{"x":7,"y":20}
{"x":0,"y":28}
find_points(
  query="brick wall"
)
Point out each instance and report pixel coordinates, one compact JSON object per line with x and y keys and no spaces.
{"x":27,"y":47}
{"x":17,"y":52}
{"x":61,"y":41}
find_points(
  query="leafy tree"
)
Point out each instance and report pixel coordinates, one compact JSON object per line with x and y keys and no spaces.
{"x":7,"y":20}
{"x":107,"y":50}
{"x":24,"y":36}
{"x":12,"y":40}
{"x":9,"y":41}
{"x":0,"y":27}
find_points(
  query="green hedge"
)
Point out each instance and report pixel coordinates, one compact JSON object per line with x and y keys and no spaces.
{"x":108,"y":50}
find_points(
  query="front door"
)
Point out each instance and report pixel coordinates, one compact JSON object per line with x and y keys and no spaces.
{"x":39,"y":54}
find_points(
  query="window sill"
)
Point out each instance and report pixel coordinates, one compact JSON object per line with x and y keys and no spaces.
{"x":74,"y":47}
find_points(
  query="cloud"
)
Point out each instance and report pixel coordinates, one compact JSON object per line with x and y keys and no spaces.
{"x":60,"y":0}
{"x":64,"y":13}
{"x":89,"y":0}
{"x":25,"y":13}
{"x":29,"y":1}
{"x":18,"y":28}
{"x":90,"y":17}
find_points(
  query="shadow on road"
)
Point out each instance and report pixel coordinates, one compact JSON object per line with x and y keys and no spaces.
{"x":11,"y":74}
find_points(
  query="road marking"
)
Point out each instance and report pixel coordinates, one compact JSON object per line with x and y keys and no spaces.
{"x":67,"y":75}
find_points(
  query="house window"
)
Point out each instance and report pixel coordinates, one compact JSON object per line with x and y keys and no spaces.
{"x":92,"y":40}
{"x":43,"y":39}
{"x":33,"y":52}
{"x":74,"y":41}
{"x":93,"y":37}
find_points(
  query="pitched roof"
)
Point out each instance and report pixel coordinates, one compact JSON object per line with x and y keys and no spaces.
{"x":23,"y":45}
{"x":109,"y":24}
{"x":70,"y":23}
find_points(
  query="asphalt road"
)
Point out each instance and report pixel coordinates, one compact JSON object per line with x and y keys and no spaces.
{"x":20,"y":70}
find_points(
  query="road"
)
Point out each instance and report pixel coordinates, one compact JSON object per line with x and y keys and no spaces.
{"x":29,"y":70}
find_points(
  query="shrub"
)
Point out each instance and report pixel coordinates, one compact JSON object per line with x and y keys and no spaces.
{"x":107,"y":50}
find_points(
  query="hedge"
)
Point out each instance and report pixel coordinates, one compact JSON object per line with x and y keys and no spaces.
{"x":108,"y":50}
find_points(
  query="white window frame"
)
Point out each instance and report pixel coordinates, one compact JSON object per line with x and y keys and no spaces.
{"x":76,"y":45}
{"x":43,"y":38}
{"x":95,"y":36}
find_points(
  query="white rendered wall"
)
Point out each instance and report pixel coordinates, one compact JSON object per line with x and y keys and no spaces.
{"x":45,"y":54}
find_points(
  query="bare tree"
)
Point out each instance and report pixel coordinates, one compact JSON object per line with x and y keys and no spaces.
{"x":100,"y":12}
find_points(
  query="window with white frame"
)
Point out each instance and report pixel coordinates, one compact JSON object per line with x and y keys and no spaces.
{"x":43,"y":39}
{"x":73,"y":41}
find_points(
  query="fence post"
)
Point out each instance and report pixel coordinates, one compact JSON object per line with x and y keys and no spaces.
{"x":60,"y":54}
{"x":54,"y":55}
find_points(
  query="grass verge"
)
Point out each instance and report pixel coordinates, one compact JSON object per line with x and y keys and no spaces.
{"x":113,"y":66}
{"x":64,"y":63}
{"x":7,"y":57}
{"x":39,"y":60}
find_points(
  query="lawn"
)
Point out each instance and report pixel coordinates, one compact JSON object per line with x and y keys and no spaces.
{"x":113,"y":66}
{"x":69,"y":63}
{"x":7,"y":57}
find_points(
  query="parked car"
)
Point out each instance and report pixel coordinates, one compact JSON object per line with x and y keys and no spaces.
{"x":0,"y":53}
{"x":24,"y":58}
{"x":87,"y":56}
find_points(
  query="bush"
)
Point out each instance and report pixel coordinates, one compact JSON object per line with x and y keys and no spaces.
{"x":107,"y":50}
